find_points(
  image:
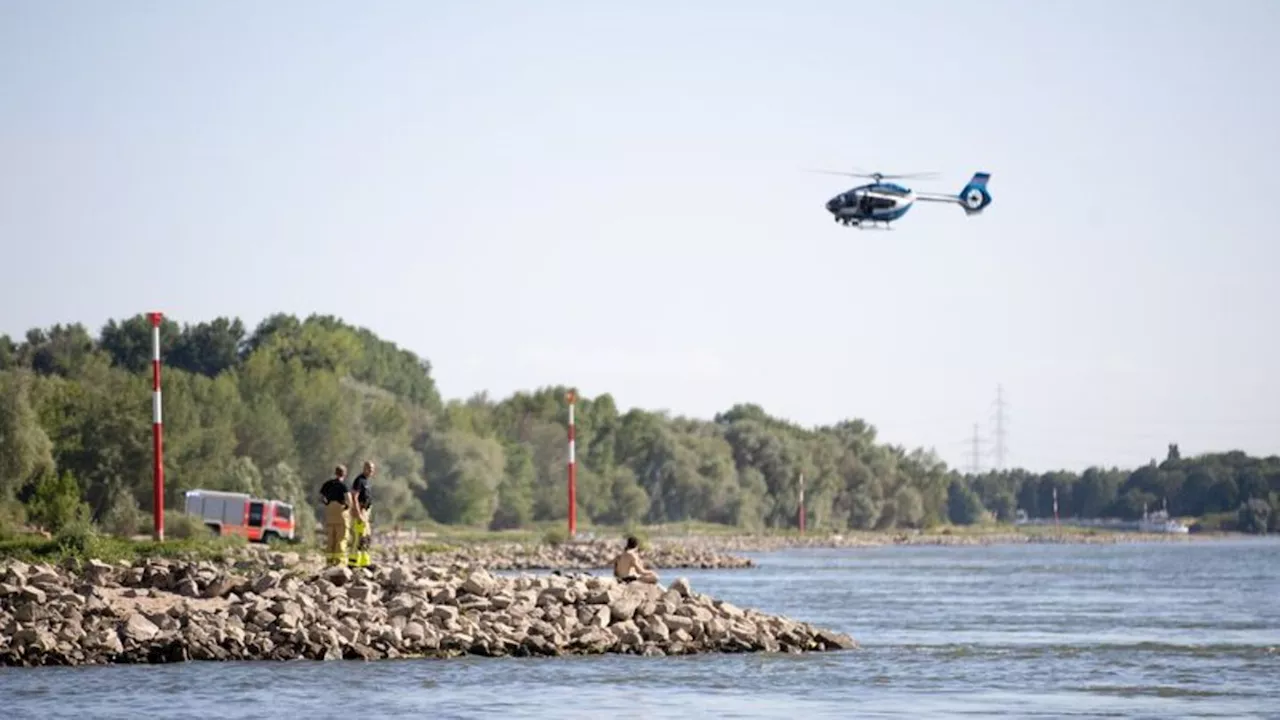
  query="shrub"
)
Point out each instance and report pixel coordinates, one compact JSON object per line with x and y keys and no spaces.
{"x":13,"y":518}
{"x":555,"y":536}
{"x":641,"y":536}
{"x":123,"y":518}
{"x":181,"y":526}
{"x":78,"y":537}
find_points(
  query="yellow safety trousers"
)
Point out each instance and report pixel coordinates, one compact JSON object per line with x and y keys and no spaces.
{"x":336,"y":526}
{"x":359,"y":556}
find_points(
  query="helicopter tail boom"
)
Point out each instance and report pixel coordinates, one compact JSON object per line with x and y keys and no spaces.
{"x":973,"y":197}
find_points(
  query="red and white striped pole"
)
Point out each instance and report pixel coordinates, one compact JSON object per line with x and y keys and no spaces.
{"x":157,"y":493}
{"x":573,"y":473}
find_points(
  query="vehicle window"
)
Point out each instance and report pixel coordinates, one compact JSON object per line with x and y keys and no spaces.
{"x":284,"y":512}
{"x":255,"y":514}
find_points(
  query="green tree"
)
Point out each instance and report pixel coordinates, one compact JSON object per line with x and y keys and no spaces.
{"x":208,"y":348}
{"x":515,"y":490}
{"x":1254,"y":516}
{"x":129,"y":344}
{"x":464,"y":472}
{"x":963,"y":505}
{"x":274,"y":410}
{"x":26,"y":452}
{"x":56,"y":502}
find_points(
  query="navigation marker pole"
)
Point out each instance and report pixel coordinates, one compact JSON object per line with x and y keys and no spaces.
{"x":1055,"y":508}
{"x":157,"y":493}
{"x":573,"y":472}
{"x":801,"y":503}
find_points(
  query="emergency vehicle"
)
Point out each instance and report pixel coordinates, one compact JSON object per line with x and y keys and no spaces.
{"x":231,"y":513}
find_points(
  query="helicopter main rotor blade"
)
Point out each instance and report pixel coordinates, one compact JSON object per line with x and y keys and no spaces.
{"x":879,"y":176}
{"x":839,"y":172}
{"x":908,"y":176}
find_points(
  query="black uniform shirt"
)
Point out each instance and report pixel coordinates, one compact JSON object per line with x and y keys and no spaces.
{"x":334,"y":490}
{"x":360,"y":486}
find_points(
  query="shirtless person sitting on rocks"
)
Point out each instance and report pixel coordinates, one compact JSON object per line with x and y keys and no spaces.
{"x":627,"y":567}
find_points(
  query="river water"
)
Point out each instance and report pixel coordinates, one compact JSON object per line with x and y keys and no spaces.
{"x":1157,"y":630}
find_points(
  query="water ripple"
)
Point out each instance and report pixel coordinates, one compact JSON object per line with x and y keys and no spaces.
{"x":1159,"y":630}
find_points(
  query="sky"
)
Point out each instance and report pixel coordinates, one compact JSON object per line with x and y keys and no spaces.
{"x":614,"y":196}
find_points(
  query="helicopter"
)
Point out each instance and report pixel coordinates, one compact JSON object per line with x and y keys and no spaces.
{"x":867,"y":206}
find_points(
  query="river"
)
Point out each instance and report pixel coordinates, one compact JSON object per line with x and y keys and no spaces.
{"x":1156,"y":630}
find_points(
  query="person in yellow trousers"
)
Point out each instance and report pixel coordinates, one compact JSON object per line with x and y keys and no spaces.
{"x":362,"y":536}
{"x":337,"y":501}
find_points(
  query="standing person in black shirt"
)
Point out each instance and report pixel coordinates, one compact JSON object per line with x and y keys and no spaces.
{"x":360,"y":515}
{"x":337,"y":500}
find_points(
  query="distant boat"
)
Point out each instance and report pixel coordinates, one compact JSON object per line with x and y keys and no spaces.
{"x":1160,"y":522}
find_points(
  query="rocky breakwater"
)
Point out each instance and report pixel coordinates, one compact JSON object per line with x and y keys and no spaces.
{"x":167,"y":611}
{"x":580,"y":556}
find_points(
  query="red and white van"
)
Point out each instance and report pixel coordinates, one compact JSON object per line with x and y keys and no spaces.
{"x":230,"y":513}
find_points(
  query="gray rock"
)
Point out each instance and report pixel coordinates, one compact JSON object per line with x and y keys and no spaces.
{"x":445,"y":612}
{"x":28,"y":612}
{"x":729,"y":610}
{"x":188,"y":588}
{"x":623,"y":605}
{"x":45,"y":579}
{"x":836,"y":640}
{"x":681,"y":586}
{"x":266,"y":582}
{"x":138,"y":628}
{"x":338,"y":575}
{"x":400,"y":577}
{"x":479,"y":582}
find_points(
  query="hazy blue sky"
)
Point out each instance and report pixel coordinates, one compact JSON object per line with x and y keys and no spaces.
{"x":610,"y":195}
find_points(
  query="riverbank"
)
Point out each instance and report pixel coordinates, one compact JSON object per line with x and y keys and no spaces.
{"x":666,"y":549}
{"x":740,"y":543}
{"x":580,"y":555}
{"x":662,"y":548}
{"x":164,"y":610}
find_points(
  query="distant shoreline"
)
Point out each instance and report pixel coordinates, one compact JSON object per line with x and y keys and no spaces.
{"x":664,"y":549}
{"x":759,"y":543}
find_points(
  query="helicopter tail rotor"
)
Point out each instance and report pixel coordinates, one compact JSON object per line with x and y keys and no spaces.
{"x":974,"y":197}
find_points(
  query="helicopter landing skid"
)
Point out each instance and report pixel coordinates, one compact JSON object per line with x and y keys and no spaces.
{"x":864,"y":224}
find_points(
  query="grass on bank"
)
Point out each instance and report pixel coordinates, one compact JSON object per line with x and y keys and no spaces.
{"x":78,"y":542}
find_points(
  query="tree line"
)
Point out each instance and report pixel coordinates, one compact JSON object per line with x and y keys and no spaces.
{"x":269,"y":412}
